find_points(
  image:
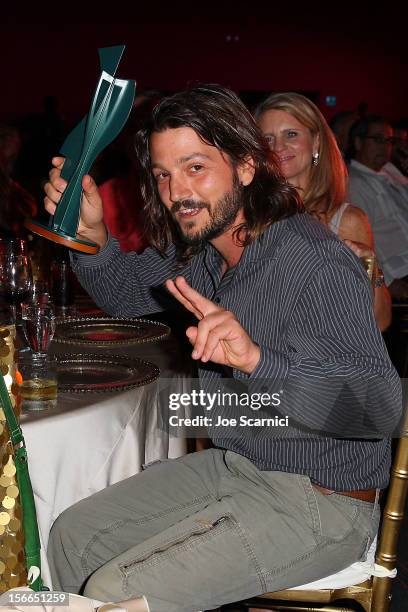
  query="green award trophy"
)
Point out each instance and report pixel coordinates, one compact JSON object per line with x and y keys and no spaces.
{"x":109,"y":111}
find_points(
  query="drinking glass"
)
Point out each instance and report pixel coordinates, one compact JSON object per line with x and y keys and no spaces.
{"x":369,"y":262}
{"x":39,"y":387}
{"x":15,"y":274}
{"x":62,"y":282}
{"x":38,"y":321}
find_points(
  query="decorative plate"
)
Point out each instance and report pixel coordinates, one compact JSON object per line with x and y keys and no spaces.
{"x":107,"y":332}
{"x":80,"y":373}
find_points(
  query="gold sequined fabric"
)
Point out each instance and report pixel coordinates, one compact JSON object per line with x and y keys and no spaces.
{"x":12,"y":561}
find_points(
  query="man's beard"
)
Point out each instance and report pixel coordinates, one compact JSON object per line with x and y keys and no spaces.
{"x":221,"y":219}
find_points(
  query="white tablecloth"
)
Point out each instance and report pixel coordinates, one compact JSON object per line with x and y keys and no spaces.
{"x":94,"y":440}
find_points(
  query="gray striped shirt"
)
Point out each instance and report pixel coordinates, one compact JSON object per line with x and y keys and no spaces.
{"x":304,"y":298}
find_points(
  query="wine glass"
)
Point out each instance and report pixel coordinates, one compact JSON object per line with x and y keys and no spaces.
{"x":38,"y":321}
{"x":39,"y":388}
{"x":40,"y":292}
{"x":15,"y":274}
{"x":368,"y":262}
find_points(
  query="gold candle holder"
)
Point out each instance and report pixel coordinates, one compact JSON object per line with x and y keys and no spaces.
{"x":13,"y":571}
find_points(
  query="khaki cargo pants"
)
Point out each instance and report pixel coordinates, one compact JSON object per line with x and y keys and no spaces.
{"x":206,"y":529}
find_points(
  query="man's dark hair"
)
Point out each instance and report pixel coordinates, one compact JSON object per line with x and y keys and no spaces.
{"x":360,"y":129}
{"x":219,"y":117}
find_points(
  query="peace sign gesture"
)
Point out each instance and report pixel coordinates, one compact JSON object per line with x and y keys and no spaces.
{"x":218,"y":337}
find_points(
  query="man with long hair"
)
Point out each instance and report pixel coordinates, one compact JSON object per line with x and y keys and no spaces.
{"x":280,"y":302}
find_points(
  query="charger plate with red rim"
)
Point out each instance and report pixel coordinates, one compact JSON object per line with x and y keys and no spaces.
{"x":78,"y":373}
{"x":104,"y":332}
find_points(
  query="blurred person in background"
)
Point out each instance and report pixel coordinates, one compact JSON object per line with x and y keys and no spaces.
{"x":384,"y":200}
{"x":42,"y":135}
{"x":397,"y":167}
{"x":15,"y":202}
{"x":310,"y":160}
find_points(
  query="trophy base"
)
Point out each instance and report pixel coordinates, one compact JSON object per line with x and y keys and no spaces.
{"x":61,"y":238}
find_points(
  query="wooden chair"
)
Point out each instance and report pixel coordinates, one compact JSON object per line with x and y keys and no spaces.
{"x":373,"y":595}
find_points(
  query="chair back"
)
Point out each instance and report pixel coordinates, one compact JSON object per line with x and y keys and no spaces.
{"x":393,"y":516}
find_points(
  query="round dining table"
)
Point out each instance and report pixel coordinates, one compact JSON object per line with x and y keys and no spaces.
{"x":94,"y":439}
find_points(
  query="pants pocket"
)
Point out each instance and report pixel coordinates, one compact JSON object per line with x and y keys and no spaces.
{"x":190,"y":538}
{"x":315,"y":521}
{"x":209,"y":548}
{"x":335,"y":516}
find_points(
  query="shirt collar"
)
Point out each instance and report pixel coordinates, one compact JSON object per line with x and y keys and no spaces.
{"x":261,"y":247}
{"x":362,"y":168}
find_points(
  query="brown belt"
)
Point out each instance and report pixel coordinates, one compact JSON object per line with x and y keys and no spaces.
{"x":363,"y":494}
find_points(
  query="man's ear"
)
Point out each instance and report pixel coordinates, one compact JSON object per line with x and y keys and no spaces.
{"x":246,"y":171}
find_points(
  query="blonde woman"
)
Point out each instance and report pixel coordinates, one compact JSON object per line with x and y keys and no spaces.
{"x":310,"y":160}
